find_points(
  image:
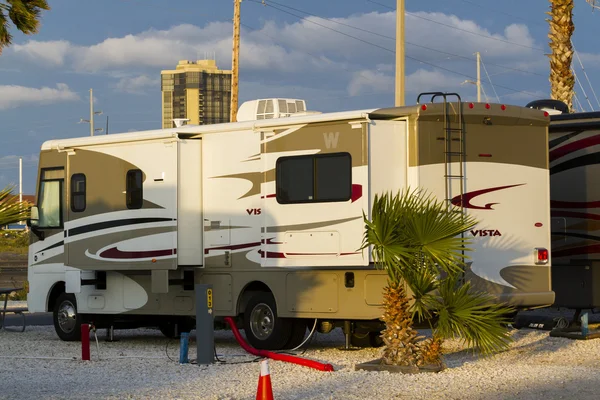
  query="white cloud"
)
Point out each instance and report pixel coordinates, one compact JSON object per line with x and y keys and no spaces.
{"x":304,"y":52}
{"x":53,"y":52}
{"x":288,"y":47}
{"x":366,"y":81}
{"x":13,"y":96}
{"x":138,"y":84}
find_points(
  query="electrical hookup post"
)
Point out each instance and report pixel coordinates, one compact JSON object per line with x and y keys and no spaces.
{"x":205,"y":334}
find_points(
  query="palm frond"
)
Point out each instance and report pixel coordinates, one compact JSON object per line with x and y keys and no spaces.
{"x":5,"y":36}
{"x":472,"y":316}
{"x":11,"y":209}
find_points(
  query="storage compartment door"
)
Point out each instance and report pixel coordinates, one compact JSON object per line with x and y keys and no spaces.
{"x":189,"y":203}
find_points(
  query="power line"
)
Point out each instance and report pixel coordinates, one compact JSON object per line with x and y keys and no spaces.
{"x":264,"y":2}
{"x":383,"y":48}
{"x":460,"y":29}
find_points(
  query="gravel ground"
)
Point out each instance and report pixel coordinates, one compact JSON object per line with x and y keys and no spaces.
{"x":138,"y":366}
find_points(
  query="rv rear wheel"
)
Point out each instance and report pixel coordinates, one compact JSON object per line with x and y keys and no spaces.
{"x":67,"y":322}
{"x":298,"y":334}
{"x":263,"y":328}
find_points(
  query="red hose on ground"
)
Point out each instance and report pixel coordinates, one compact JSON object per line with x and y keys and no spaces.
{"x":275,"y":356}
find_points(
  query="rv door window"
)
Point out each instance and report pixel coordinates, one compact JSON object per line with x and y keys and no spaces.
{"x":78,"y":192}
{"x":134,"y":189}
{"x":315,"y":178}
{"x":50,"y":199}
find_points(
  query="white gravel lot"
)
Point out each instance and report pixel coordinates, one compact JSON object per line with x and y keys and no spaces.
{"x":136,"y":366}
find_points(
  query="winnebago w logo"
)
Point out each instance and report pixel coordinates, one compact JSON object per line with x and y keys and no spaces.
{"x":331,"y":139}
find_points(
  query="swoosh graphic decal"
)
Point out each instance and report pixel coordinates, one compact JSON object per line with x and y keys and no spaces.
{"x":572,"y":147}
{"x":555,"y":142}
{"x":114,"y":252}
{"x":467,"y":197}
{"x":582,"y":161}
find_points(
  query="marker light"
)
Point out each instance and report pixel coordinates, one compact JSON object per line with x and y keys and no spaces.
{"x":487,"y":105}
{"x":541,"y":255}
{"x":503,"y":107}
{"x":471,"y":105}
{"x":424,"y":107}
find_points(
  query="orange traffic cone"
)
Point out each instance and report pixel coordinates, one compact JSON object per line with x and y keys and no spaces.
{"x":265,"y":391}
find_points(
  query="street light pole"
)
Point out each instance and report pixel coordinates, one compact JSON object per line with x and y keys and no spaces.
{"x":478,"y":77}
{"x":91,"y":113}
{"x":399,"y":98}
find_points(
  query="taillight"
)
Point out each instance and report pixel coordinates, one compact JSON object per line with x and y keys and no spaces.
{"x":541,"y":255}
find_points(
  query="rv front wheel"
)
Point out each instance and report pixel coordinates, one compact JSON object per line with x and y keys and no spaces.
{"x":263,"y":328}
{"x":67,"y":322}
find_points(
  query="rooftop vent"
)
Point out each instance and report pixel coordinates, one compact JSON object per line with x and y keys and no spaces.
{"x":272,"y":108}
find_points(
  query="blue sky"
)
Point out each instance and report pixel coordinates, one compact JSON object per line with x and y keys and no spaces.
{"x":118,"y":47}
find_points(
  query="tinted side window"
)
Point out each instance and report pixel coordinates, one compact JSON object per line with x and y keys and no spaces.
{"x":333,"y":177}
{"x":318,"y":178}
{"x":134,"y":189}
{"x":78,"y":192}
{"x":295,"y":179}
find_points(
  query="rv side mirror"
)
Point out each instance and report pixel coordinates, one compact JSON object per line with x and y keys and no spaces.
{"x":34,"y":218}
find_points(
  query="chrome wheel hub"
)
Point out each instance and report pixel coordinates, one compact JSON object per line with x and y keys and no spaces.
{"x":262,"y":321}
{"x":67,"y":316}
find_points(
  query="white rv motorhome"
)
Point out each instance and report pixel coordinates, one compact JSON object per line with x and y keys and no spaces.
{"x":270,"y":212}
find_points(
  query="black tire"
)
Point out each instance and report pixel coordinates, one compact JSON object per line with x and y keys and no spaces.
{"x":366,"y":339}
{"x":298,"y":334}
{"x":67,"y":321}
{"x":263,"y":328}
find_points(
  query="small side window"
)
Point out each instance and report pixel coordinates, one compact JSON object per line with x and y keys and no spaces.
{"x":78,"y":192}
{"x":134,"y":189}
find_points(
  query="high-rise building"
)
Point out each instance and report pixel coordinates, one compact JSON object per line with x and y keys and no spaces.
{"x":197,"y":91}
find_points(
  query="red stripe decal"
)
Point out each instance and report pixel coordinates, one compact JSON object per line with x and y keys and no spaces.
{"x":595,"y":248}
{"x":572,"y":147}
{"x":356,"y":192}
{"x":271,"y":254}
{"x":116,"y":253}
{"x":573,"y":214}
{"x":233,"y":247}
{"x":269,"y":196}
{"x":574,"y":204}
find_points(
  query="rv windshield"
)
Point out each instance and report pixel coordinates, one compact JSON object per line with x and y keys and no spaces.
{"x":49,"y":200}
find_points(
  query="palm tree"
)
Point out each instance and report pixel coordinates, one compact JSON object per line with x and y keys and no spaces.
{"x":11,"y":209}
{"x":25,"y":16}
{"x":562,"y":79}
{"x":417,"y":240}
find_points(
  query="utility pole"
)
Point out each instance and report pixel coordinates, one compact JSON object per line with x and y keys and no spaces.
{"x":478,"y":77}
{"x":20,"y":179}
{"x":91,"y":113}
{"x":235,"y":60}
{"x":399,"y":53}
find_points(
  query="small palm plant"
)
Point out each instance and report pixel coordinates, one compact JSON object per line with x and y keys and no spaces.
{"x":418,"y":241}
{"x":11,"y":209}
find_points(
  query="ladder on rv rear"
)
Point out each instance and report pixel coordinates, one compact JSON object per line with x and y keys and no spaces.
{"x":454,"y":149}
{"x":454,"y":152}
